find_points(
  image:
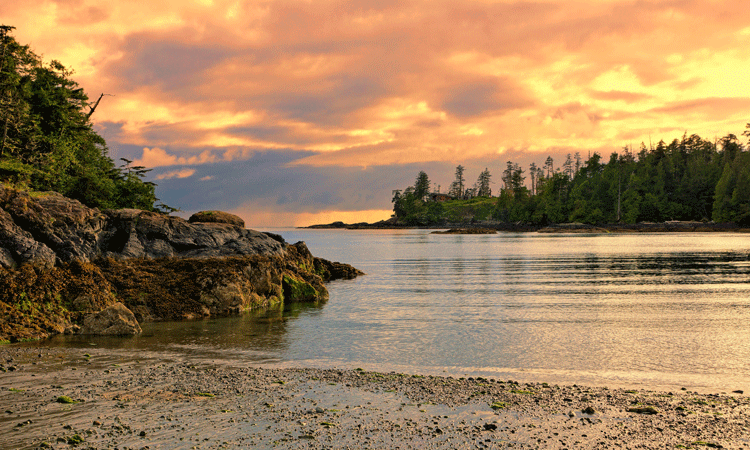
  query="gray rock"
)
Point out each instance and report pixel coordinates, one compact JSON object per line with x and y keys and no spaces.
{"x":19,"y":246}
{"x":113,"y":320}
{"x":48,"y":229}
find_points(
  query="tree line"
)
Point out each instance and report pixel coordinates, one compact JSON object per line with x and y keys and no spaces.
{"x":47,"y":142}
{"x":689,"y":179}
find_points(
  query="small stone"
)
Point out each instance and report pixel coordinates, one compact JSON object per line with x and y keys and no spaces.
{"x":142,"y":434}
{"x":589,"y":410}
{"x":739,"y":391}
{"x":97,"y":423}
{"x":490,"y":426}
{"x":644,"y":410}
{"x":318,"y":409}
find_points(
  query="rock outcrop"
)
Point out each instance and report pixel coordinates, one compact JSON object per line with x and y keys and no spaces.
{"x":61,"y":262}
{"x":116,"y":320}
{"x":48,"y":229}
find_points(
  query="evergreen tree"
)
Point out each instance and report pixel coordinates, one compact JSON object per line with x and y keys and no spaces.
{"x":421,"y":185}
{"x":48,"y":142}
{"x":457,"y":187}
{"x":568,"y":167}
{"x":688,"y":179}
{"x":483,"y":184}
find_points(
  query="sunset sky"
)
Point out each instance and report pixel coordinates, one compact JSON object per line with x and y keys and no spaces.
{"x":298,"y":112}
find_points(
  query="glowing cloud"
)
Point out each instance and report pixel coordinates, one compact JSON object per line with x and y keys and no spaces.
{"x":183,"y":173}
{"x":384,"y":83}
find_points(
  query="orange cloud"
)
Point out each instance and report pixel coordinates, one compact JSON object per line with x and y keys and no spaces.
{"x":157,"y":157}
{"x":387,"y":83}
{"x":182,"y":173}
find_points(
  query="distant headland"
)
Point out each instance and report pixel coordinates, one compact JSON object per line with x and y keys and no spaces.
{"x":486,"y":227}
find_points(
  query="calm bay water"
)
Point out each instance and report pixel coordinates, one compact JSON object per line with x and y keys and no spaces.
{"x":660,"y":310}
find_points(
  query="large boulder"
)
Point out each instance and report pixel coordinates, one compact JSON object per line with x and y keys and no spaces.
{"x":217,"y":217}
{"x":113,"y":320}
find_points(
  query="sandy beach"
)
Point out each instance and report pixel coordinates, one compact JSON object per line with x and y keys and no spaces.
{"x":61,"y":398}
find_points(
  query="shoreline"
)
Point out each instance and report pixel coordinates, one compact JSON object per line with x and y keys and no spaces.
{"x":136,"y":403}
{"x":662,"y":227}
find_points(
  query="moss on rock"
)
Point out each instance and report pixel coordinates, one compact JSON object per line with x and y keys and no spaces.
{"x":298,"y":290}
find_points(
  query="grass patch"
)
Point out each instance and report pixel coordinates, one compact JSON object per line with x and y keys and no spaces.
{"x":65,"y":400}
{"x":521,"y":391}
{"x":205,"y":394}
{"x":75,"y":439}
{"x":706,"y":444}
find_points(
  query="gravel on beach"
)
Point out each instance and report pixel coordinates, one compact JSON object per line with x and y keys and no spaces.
{"x":65,"y":398}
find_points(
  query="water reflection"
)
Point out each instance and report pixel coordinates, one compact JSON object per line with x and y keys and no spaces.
{"x":253,"y":336}
{"x":628,"y":309}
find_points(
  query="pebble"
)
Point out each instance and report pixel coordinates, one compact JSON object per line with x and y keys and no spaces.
{"x":456,"y":413}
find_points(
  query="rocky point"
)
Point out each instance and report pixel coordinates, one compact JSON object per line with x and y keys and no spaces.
{"x":65,"y":266}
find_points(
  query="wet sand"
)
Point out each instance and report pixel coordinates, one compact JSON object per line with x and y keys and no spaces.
{"x":133,"y":403}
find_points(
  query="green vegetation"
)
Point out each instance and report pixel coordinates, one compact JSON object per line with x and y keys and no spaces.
{"x":521,"y":391}
{"x":47,"y":142}
{"x":75,"y":439}
{"x":65,"y":399}
{"x":688,"y":179}
{"x":298,"y":290}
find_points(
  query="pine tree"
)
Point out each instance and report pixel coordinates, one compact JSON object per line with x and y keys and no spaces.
{"x":457,"y":187}
{"x":421,"y":185}
{"x":483,"y":184}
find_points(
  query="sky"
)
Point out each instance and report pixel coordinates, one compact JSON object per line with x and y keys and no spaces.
{"x":289,"y":113}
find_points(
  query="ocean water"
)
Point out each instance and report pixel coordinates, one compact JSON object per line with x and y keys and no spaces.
{"x":642,"y":310}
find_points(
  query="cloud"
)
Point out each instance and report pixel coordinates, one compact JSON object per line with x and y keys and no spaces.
{"x":157,"y":157}
{"x":339,"y":90}
{"x":629,"y":97}
{"x":707,"y":106}
{"x":182,"y":173}
{"x":485,"y":96}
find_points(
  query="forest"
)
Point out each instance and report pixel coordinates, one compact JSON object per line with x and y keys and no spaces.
{"x":47,"y":142}
{"x":689,"y":179}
